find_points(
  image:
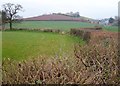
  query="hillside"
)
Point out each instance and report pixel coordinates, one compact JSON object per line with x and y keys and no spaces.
{"x":55,"y":17}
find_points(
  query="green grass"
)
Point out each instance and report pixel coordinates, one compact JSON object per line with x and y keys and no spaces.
{"x":20,"y":45}
{"x":111,"y":28}
{"x":62,"y":25}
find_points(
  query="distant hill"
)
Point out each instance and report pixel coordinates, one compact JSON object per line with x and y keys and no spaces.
{"x":56,"y":17}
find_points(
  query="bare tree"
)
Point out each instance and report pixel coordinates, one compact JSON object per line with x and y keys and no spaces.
{"x":11,"y":10}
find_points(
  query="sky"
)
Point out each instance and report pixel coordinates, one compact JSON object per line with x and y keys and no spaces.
{"x":96,"y":9}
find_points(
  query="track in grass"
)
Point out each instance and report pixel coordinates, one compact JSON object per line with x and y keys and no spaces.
{"x":20,"y":45}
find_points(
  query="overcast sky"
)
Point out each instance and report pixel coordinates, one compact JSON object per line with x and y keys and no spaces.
{"x":96,"y":9}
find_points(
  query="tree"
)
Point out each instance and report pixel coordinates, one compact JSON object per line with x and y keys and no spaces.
{"x":111,"y":20}
{"x":11,"y":11}
{"x":77,"y":14}
{"x":3,"y":18}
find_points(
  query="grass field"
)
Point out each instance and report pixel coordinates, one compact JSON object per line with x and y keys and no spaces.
{"x":30,"y":44}
{"x":93,"y":63}
{"x":20,"y":45}
{"x":62,"y":25}
{"x":111,"y":28}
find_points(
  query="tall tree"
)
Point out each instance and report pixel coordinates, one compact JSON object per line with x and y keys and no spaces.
{"x":11,"y":11}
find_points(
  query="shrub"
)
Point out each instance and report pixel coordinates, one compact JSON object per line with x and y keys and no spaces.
{"x":100,"y":58}
{"x":84,"y":34}
{"x":48,"y":30}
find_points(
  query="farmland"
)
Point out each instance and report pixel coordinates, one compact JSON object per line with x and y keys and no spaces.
{"x":20,"y":45}
{"x":44,"y":56}
{"x":59,"y":48}
{"x":92,"y":63}
{"x":111,"y":28}
{"x":62,"y":25}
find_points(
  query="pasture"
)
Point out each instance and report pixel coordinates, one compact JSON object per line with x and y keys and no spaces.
{"x":19,"y":45}
{"x":111,"y":28}
{"x":62,"y":25}
{"x":97,"y":59}
{"x":36,"y":57}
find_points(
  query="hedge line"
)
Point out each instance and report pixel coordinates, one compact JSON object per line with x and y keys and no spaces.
{"x":84,"y":33}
